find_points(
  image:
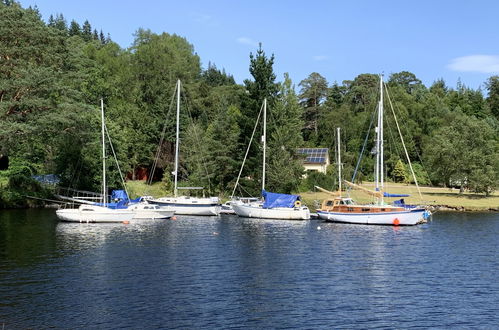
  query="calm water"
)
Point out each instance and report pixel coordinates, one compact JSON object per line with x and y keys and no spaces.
{"x":227,"y":272}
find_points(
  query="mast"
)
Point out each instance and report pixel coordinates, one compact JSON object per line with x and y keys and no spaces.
{"x":381,"y":146}
{"x":104,"y":193}
{"x":177,"y":137}
{"x":264,"y":139}
{"x":376,"y":165}
{"x":339,"y":162}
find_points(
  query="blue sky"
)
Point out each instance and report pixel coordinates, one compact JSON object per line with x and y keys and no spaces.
{"x":338,"y":39}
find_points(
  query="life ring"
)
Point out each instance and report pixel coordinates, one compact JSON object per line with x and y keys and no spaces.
{"x":297,"y":204}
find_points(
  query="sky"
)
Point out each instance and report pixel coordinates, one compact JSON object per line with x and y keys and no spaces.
{"x":454,"y":40}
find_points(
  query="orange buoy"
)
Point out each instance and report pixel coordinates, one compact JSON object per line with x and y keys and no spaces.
{"x":126,"y":222}
{"x":174,"y":218}
{"x":396,"y":222}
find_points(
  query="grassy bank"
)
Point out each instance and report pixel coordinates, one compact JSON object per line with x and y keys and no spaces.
{"x":441,"y":197}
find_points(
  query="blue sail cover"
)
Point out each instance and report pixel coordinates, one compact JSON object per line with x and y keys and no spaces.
{"x":385,"y":194}
{"x":119,"y":195}
{"x":278,"y":200}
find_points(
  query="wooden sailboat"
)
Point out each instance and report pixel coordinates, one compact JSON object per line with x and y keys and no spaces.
{"x":186,"y":205}
{"x":340,"y":209}
{"x":274,"y":206}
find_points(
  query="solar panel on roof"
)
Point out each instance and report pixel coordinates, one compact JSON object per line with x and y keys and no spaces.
{"x":314,"y":155}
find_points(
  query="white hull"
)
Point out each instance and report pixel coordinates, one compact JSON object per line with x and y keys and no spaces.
{"x":286,"y":213}
{"x":150,"y":211}
{"x":403,"y":218}
{"x":189,"y":206}
{"x":91,"y":213}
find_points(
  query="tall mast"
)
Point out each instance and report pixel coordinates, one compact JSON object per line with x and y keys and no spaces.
{"x":264,"y":139}
{"x":381,"y":146}
{"x":177,"y":137}
{"x":104,"y":192}
{"x":339,"y":162}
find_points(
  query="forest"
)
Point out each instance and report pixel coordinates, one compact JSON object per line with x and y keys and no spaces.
{"x":53,"y":75}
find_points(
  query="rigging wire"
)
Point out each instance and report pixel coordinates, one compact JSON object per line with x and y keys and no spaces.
{"x":203,"y":160}
{"x":116,"y":160}
{"x":403,"y":144}
{"x":247,"y":151}
{"x":161,"y":140}
{"x":363,"y":146}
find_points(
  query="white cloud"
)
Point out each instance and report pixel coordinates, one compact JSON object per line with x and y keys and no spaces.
{"x":320,"y":57}
{"x":247,"y":41}
{"x":203,"y":19}
{"x":475,"y":63}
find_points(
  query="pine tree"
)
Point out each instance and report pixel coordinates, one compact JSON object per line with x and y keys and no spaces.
{"x":493,"y":99}
{"x":74,"y":28}
{"x":284,"y":167}
{"x":264,"y":85}
{"x":87,"y":31}
{"x":102,"y":38}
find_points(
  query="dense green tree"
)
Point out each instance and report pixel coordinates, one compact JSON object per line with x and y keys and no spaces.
{"x":313,"y":92}
{"x":492,"y":85}
{"x":86,"y":31}
{"x":407,"y":80}
{"x":399,"y":173}
{"x":462,"y":152}
{"x":215,"y":77}
{"x":222,"y":160}
{"x":74,"y":28}
{"x":264,"y":84}
{"x":284,"y":166}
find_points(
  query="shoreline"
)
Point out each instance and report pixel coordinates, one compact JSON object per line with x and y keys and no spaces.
{"x":448,"y":208}
{"x":433,"y":208}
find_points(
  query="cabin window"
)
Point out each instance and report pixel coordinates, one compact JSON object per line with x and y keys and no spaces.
{"x":342,"y":203}
{"x":329,"y":203}
{"x":365,"y":210}
{"x":383,"y":210}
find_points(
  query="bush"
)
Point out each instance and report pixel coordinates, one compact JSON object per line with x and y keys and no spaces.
{"x":318,"y":179}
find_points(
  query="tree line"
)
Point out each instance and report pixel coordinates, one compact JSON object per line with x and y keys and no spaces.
{"x":52,"y":76}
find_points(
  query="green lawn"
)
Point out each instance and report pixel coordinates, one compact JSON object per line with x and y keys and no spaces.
{"x":430,"y":196}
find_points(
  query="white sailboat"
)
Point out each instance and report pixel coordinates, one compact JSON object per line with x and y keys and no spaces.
{"x":95,"y":213}
{"x":274,"y":206}
{"x":186,"y":205}
{"x":340,"y":209}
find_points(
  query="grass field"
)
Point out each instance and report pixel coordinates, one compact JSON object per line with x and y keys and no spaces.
{"x":430,"y":196}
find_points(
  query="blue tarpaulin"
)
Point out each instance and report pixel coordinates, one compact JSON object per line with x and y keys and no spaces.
{"x":278,"y":200}
{"x":385,"y":194}
{"x":119,"y":205}
{"x":120,"y":200}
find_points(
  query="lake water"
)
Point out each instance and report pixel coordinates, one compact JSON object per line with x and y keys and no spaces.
{"x":229,"y":272}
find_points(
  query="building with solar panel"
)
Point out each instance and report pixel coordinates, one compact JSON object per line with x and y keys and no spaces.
{"x":316,"y":159}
